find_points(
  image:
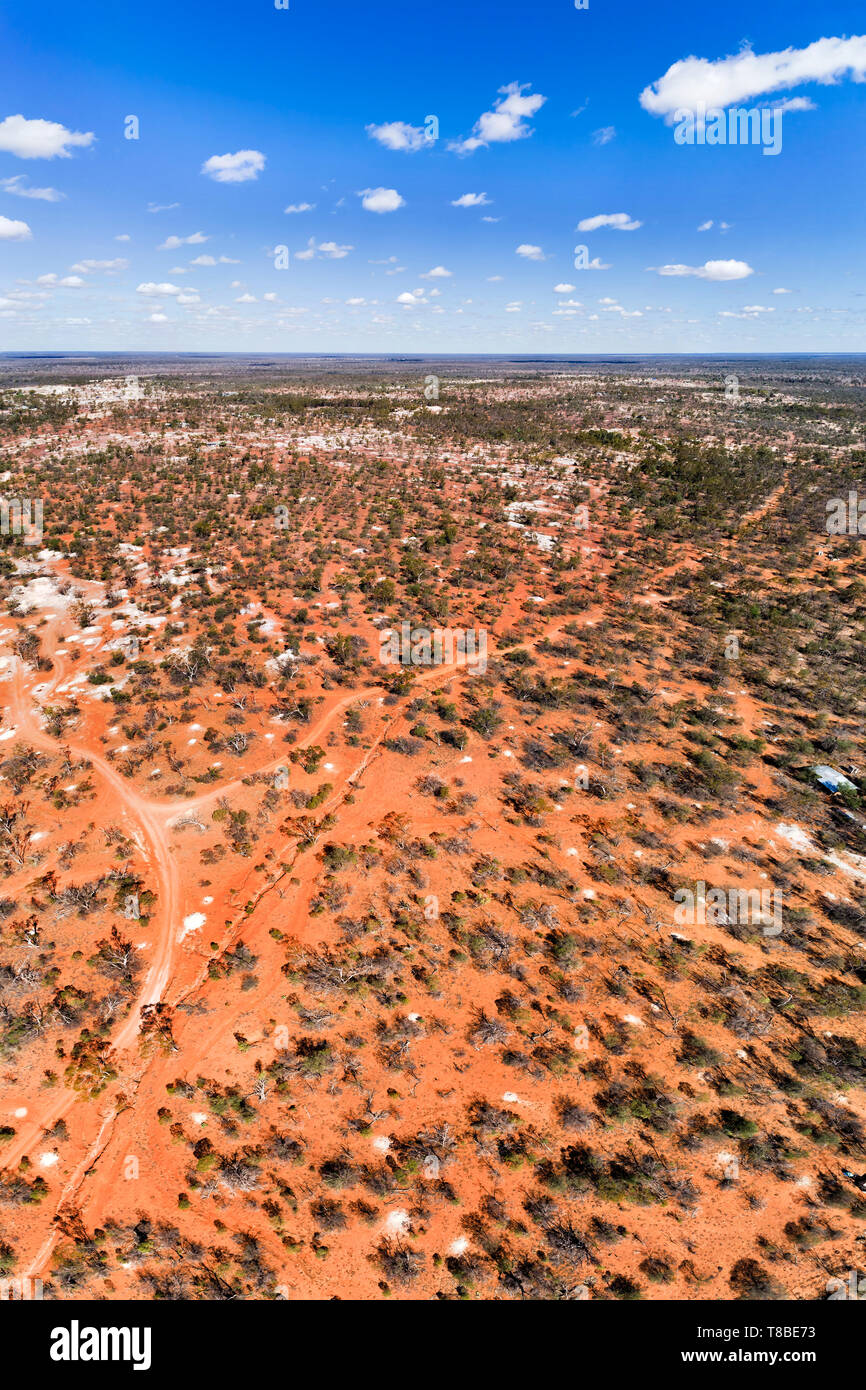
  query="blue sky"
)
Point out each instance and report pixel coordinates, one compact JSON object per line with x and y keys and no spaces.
{"x":244,"y":110}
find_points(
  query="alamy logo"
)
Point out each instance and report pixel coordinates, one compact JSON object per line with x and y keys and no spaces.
{"x":22,"y":518}
{"x":720,"y":907}
{"x":76,"y":1343}
{"x":846,"y":517}
{"x":852,"y":1288}
{"x":712,"y":125}
{"x":440,"y":646}
{"x":24,"y":1289}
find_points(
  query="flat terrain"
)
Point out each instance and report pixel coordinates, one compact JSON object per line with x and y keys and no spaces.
{"x":535,"y":971}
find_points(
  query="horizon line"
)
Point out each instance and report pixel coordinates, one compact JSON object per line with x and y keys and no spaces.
{"x":409,"y":355}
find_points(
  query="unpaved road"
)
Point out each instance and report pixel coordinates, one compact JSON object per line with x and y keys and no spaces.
{"x":30,"y":693}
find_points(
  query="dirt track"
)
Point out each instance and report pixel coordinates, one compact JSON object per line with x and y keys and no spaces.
{"x":154,"y":819}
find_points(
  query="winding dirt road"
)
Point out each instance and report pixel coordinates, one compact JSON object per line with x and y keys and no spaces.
{"x":155,"y":820}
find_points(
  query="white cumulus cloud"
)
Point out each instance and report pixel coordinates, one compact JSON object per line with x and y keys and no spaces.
{"x":397,"y":135}
{"x":749,"y":311}
{"x":746,"y":74}
{"x":171,"y":243}
{"x":506,"y":122}
{"x":331,"y":250}
{"x":156,"y":291}
{"x":380,"y":199}
{"x":86,"y":266}
{"x":40,"y":139}
{"x":234,"y":168}
{"x":214,"y":260}
{"x":68,"y":282}
{"x":14,"y":231}
{"x":619,"y":221}
{"x":710,"y":270}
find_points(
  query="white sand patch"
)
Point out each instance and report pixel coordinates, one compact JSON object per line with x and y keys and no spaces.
{"x":381,"y":1143}
{"x":795,"y":836}
{"x":198,"y":1117}
{"x":397,"y":1223}
{"x":20,"y":1112}
{"x":458,"y":1246}
{"x":194,"y":922}
{"x":849,"y":863}
{"x":47,"y":1160}
{"x":40,"y":593}
{"x":633,"y":1020}
{"x":7,"y":733}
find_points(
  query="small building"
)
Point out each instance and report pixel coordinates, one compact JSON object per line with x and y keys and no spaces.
{"x":832,"y":780}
